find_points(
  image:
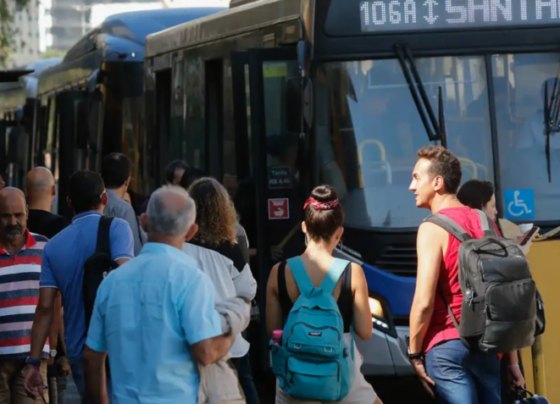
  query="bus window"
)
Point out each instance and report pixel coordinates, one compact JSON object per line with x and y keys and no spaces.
{"x":519,"y":81}
{"x":376,"y":131}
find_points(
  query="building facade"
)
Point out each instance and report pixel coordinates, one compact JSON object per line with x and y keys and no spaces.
{"x":27,"y":36}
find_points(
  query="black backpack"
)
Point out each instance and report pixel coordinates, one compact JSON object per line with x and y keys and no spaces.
{"x":98,"y":266}
{"x":499,"y":308}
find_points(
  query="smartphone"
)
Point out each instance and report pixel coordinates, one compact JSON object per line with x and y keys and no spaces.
{"x":529,"y":235}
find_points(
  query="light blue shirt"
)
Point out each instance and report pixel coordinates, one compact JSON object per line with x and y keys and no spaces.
{"x":147,"y":315}
{"x":64,"y":257}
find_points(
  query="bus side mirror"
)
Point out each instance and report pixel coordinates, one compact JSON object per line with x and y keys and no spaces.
{"x":299,"y":105}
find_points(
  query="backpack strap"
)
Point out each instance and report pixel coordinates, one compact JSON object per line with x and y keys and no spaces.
{"x":449,"y":225}
{"x":303,"y":281}
{"x":104,"y":235}
{"x":486,"y":224}
{"x":333,"y":275}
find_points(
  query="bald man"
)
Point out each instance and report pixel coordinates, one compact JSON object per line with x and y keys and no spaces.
{"x":20,"y":254}
{"x":40,"y":191}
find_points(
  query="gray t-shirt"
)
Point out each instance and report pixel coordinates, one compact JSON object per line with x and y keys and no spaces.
{"x":117,"y":207}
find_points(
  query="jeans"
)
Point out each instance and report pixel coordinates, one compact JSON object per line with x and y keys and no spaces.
{"x":77,"y":368}
{"x":57,"y":385}
{"x":243,"y":366}
{"x":463,"y":376}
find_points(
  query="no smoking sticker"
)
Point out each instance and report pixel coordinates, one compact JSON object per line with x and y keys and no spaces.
{"x":278,"y":209}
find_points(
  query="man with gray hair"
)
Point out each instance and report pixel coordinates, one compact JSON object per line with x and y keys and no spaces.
{"x":154,"y":317}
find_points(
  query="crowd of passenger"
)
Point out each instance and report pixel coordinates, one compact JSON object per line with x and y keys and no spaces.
{"x":169,"y":319}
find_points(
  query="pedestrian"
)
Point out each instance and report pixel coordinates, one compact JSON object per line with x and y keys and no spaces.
{"x":63,"y":268}
{"x":193,"y":174}
{"x":447,"y":369}
{"x":479,"y":194}
{"x":229,"y":270}
{"x":40,"y":191}
{"x":20,"y":267}
{"x":322,"y":227}
{"x":116,"y":172}
{"x":155,"y":316}
{"x":172,"y":176}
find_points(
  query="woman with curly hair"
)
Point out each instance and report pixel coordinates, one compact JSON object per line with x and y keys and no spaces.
{"x":216,"y":249}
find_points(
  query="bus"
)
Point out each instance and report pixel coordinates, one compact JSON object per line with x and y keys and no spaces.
{"x":274,"y":97}
{"x":17,"y":108}
{"x":92,"y":103}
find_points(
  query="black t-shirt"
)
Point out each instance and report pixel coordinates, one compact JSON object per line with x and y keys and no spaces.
{"x":231,"y":251}
{"x":45,"y":223}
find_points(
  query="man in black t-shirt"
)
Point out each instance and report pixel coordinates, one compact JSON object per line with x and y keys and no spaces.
{"x":40,"y":191}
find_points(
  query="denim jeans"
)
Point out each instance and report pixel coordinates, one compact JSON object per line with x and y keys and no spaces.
{"x":463,"y":376}
{"x":77,"y":369}
{"x":243,"y":366}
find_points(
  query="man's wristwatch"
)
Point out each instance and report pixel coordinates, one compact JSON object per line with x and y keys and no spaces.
{"x":415,"y":356}
{"x":53,"y":353}
{"x":33,"y":362}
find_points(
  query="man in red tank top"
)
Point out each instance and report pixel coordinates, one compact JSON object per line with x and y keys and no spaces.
{"x":448,"y":369}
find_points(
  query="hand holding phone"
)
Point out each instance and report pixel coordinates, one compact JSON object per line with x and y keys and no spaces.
{"x":528,"y":236}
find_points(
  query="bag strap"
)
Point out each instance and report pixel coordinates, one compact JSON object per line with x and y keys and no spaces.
{"x":486,"y":224}
{"x":449,"y":225}
{"x":453,"y":318}
{"x":303,"y":281}
{"x":333,"y":275}
{"x":104,"y":235}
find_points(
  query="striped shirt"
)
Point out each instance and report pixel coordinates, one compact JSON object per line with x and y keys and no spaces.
{"x":19,"y":296}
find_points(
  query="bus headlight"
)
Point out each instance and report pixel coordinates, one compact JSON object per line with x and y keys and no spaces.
{"x":377,"y":314}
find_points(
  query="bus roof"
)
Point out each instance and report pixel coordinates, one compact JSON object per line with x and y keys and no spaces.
{"x":233,"y":22}
{"x":119,"y":38}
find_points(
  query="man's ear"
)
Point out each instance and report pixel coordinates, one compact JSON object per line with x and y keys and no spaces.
{"x":191,"y":233}
{"x":144,"y":222}
{"x":53,"y":190}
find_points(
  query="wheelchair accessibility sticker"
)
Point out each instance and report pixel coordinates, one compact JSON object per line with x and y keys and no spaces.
{"x":520,"y":203}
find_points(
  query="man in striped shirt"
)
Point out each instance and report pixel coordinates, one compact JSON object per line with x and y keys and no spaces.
{"x":20,"y":268}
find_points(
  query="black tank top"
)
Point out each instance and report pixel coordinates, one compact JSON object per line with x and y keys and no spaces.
{"x":345,"y":300}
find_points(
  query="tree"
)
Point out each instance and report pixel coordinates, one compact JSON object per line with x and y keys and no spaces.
{"x":53,"y":53}
{"x":7,"y":28}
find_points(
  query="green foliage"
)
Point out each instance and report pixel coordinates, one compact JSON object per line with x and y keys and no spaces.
{"x":7,"y":28}
{"x":53,"y":53}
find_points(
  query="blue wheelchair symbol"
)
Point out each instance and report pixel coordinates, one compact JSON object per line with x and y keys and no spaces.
{"x":520,"y":204}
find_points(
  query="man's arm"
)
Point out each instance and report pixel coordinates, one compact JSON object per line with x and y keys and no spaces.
{"x":132,"y":221}
{"x":42,"y":321}
{"x":212,"y":350}
{"x":94,"y":376}
{"x":429,"y":248}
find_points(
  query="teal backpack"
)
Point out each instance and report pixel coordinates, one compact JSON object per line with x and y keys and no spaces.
{"x":314,"y":363}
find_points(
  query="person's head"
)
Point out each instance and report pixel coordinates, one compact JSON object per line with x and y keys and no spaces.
{"x":216,"y":216}
{"x":284,"y":148}
{"x":170,"y":217}
{"x":86,"y":192}
{"x":40,"y":187}
{"x":323,"y":216}
{"x":116,"y":170}
{"x":190,"y":175}
{"x":437,"y":173}
{"x":479,"y":194}
{"x":13,"y":215}
{"x":174,"y":172}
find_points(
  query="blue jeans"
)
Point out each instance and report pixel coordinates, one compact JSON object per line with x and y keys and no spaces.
{"x":463,"y":376}
{"x":77,"y":368}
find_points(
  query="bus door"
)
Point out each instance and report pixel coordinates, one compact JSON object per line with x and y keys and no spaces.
{"x":271,"y":190}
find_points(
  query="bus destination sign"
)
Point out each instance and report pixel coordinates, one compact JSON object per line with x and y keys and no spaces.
{"x":382,"y":16}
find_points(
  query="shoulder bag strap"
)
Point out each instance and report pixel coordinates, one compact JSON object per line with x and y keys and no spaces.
{"x":486,"y":224}
{"x":453,"y":318}
{"x":303,"y":282}
{"x":333,"y":275}
{"x":449,"y":225}
{"x":104,"y":235}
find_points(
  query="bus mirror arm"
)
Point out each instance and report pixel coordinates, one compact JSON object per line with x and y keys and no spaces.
{"x":95,"y":79}
{"x":303,"y":53}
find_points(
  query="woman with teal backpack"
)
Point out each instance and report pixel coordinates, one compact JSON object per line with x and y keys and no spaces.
{"x":315,"y":303}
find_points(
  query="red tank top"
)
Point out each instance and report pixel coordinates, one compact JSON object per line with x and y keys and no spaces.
{"x":441,"y":326}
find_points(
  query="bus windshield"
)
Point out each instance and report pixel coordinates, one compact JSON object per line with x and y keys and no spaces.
{"x":369,"y":131}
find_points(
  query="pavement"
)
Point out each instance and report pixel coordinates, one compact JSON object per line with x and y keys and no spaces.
{"x":72,"y":396}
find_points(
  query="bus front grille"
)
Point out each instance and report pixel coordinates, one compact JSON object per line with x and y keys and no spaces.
{"x":398,"y":259}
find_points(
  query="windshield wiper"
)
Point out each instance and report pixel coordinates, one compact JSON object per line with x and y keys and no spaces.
{"x":551,"y":118}
{"x":435,"y":127}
